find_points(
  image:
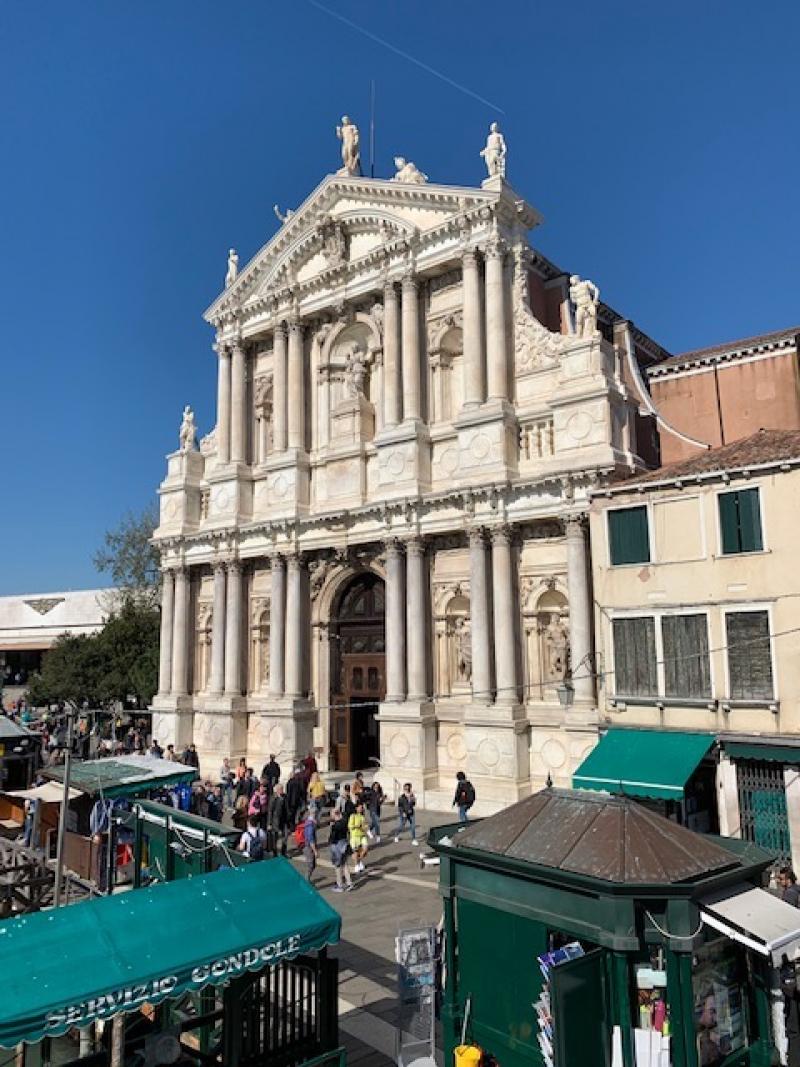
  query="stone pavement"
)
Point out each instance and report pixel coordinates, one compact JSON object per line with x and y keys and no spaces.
{"x":394,"y":892}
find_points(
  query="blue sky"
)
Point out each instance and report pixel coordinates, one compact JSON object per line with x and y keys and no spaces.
{"x":140,"y":140}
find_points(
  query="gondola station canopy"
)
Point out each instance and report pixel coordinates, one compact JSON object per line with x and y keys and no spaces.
{"x":122,"y":776}
{"x":101,"y":957}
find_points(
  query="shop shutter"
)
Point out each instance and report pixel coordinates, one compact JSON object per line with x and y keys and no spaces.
{"x":635,"y":657}
{"x":628,"y":536}
{"x":749,"y":655}
{"x":581,"y":1026}
{"x":740,"y":522}
{"x":686,"y":665}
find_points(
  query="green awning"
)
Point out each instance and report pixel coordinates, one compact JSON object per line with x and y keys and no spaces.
{"x":123,"y":776}
{"x":773,"y":753}
{"x":113,"y":954}
{"x":643,"y":763}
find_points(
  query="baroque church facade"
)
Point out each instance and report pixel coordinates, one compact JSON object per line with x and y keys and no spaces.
{"x":380,"y":551}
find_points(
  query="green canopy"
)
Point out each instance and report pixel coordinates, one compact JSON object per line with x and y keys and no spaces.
{"x":643,"y":763}
{"x":773,"y":753}
{"x":113,"y":954}
{"x":123,"y":776}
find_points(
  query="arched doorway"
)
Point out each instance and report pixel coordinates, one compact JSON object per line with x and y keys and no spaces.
{"x":358,"y":672}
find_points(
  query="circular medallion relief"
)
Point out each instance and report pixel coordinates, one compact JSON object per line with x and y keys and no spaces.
{"x":275,"y":738}
{"x":579,"y":425}
{"x":170,"y":508}
{"x":448,"y":461}
{"x":280,"y":487}
{"x":396,"y":463}
{"x":222,"y":499}
{"x":481,"y":446}
{"x":399,"y":747}
{"x":456,"y":748}
{"x":488,"y":753}
{"x":553,"y":754}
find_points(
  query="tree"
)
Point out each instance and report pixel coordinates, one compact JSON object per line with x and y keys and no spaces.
{"x":131,"y":558}
{"x":129,"y":652}
{"x":71,"y":671}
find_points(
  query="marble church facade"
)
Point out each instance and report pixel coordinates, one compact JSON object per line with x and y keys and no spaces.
{"x":380,"y":551}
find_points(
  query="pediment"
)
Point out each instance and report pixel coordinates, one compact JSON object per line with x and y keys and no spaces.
{"x":345,"y":220}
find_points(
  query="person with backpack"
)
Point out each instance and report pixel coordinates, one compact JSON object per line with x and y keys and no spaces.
{"x":277,"y":822}
{"x":465,"y":796}
{"x":253,"y":841}
{"x":295,"y":796}
{"x":406,"y":803}
{"x":340,"y":848}
{"x":357,"y":832}
{"x":373,"y":799}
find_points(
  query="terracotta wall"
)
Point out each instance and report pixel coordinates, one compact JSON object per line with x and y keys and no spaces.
{"x":762,"y":393}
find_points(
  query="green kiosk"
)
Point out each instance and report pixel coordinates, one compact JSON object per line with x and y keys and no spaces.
{"x":584,"y":930}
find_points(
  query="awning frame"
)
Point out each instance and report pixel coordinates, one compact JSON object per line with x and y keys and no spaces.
{"x":786,"y":942}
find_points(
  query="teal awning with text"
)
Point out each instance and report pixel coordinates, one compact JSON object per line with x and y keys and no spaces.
{"x":643,"y":763}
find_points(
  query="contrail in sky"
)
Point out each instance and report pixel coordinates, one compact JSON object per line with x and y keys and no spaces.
{"x":404,"y":55}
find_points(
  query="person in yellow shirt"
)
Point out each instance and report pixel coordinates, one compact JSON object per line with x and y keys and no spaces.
{"x":316,"y":793}
{"x":357,"y":829}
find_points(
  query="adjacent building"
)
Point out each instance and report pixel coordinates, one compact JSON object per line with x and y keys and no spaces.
{"x":697,"y":628}
{"x":380,"y":551}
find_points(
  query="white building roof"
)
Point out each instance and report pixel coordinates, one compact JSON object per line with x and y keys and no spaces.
{"x":35,"y":621}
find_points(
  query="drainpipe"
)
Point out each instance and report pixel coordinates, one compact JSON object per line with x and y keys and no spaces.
{"x":719,"y":406}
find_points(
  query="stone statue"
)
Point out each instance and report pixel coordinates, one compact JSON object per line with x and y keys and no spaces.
{"x":282,"y":216}
{"x":233,"y":268}
{"x":334,"y":243}
{"x":585,"y":296}
{"x":494,"y":154}
{"x":188,"y":432}
{"x":351,"y":152}
{"x":556,"y":648}
{"x":408,"y":173}
{"x":355,"y":372}
{"x":463,"y":642}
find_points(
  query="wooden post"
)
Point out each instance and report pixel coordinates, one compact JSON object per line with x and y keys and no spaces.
{"x":118,"y":1041}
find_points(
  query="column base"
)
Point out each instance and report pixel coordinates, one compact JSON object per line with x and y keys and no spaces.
{"x":282,"y":727}
{"x":408,"y":747}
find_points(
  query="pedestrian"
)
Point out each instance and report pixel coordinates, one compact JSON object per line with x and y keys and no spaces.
{"x":191,"y":757}
{"x":295,"y":795}
{"x":339,"y":848}
{"x":259,"y":803}
{"x":344,"y":805}
{"x":241,"y":769}
{"x":253,"y":841}
{"x":272,"y":773}
{"x":309,"y":766}
{"x":169,"y":754}
{"x":247,"y":785}
{"x":406,"y":814}
{"x":357,"y":832}
{"x":373,"y":799}
{"x":156,"y":750}
{"x":215,"y":803}
{"x":310,"y":851}
{"x":357,"y":788}
{"x":465,"y":796}
{"x":226,"y":778}
{"x":787,"y":882}
{"x":277,"y":822}
{"x":316,"y":794}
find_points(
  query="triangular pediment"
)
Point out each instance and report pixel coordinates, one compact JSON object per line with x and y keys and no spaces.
{"x":344,"y":220}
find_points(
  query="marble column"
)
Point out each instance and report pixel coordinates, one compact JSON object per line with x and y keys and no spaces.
{"x":392,"y":393}
{"x":480,"y":630}
{"x":218,"y":632}
{"x":580,"y":610}
{"x":496,"y":336}
{"x":233,"y":631}
{"x":224,"y":404}
{"x":412,"y":407}
{"x":416,"y":620}
{"x":395,"y":623}
{"x":296,"y":405}
{"x":295,"y":620}
{"x":167,"y":613}
{"x":180,"y":634}
{"x":473,"y":332}
{"x":277,"y":625}
{"x":279,"y":389}
{"x":505,"y":630}
{"x":238,"y":404}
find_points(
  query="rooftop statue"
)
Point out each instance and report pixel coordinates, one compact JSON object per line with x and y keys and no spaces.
{"x":282,"y":216}
{"x":233,"y":268}
{"x":585,"y":296}
{"x":494,"y":154}
{"x":188,"y":432}
{"x":351,"y":151}
{"x":408,"y":173}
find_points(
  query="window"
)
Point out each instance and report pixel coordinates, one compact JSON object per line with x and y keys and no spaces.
{"x":687,"y":671}
{"x":635,"y":657}
{"x":749,"y":655}
{"x":628,"y":536}
{"x":740,"y":522}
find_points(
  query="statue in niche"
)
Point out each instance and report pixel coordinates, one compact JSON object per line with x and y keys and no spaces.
{"x":494,"y":154}
{"x":355,"y":372}
{"x":555,"y":642}
{"x":585,"y":297}
{"x":188,"y":431}
{"x":462,"y":639}
{"x":408,"y":173}
{"x":351,"y":150}
{"x":233,"y":268}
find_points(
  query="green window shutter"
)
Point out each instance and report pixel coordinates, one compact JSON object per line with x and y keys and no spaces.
{"x":729,"y":523}
{"x":749,"y":655}
{"x":686,"y":665}
{"x":740,"y":521}
{"x":628,"y":536}
{"x":635,"y":671}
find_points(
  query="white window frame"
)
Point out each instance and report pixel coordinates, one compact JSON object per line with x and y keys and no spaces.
{"x":647,"y":504}
{"x":700,"y":498}
{"x":735,"y":487}
{"x":741,"y":609}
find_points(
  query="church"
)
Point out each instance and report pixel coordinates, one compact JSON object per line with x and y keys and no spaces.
{"x":380,"y":551}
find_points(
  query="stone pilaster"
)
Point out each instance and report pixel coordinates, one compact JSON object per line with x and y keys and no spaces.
{"x":295,"y":629}
{"x":395,"y":623}
{"x":474,"y":373}
{"x":416,"y":620}
{"x":505,"y":638}
{"x":223,"y":404}
{"x":412,"y":408}
{"x":277,"y":627}
{"x":180,"y":634}
{"x":391,"y":357}
{"x":480,"y":625}
{"x":279,"y":438}
{"x":233,"y":631}
{"x":238,"y":403}
{"x":496,"y":335}
{"x":217,"y":682}
{"x":165,"y":651}
{"x":296,"y":390}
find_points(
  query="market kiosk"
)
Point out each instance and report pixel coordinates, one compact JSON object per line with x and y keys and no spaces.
{"x":582,"y":928}
{"x":253,"y":938}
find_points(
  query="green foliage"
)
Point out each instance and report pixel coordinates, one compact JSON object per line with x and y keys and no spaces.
{"x":119,"y":662}
{"x":131,"y":559}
